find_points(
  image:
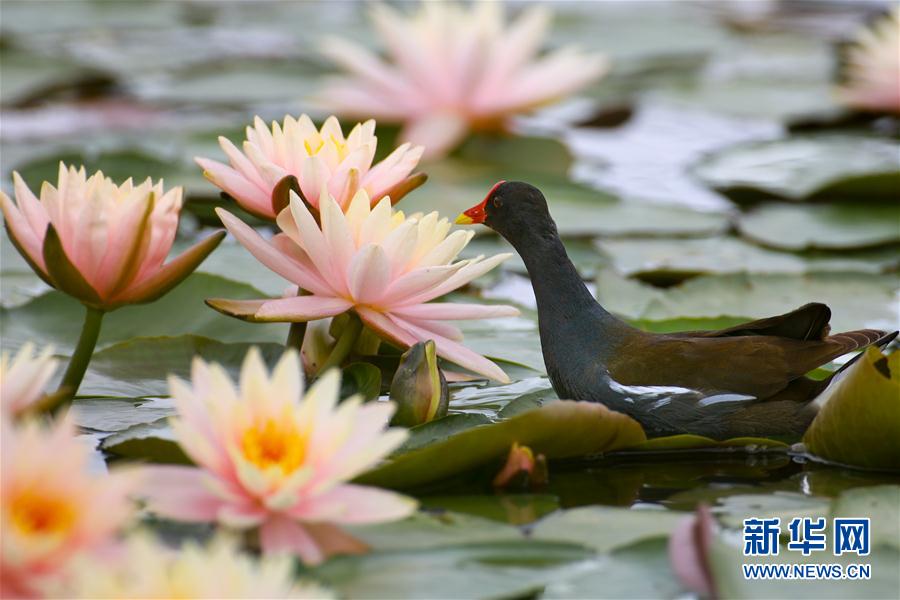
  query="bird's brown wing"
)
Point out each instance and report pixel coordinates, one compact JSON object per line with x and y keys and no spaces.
{"x":809,"y":322}
{"x":757,"y":365}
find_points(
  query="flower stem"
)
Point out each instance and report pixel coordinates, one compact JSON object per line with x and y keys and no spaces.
{"x":90,"y":331}
{"x":344,"y":344}
{"x":297,"y":331}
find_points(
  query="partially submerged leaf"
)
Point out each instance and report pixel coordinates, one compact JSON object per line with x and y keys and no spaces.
{"x":822,"y":226}
{"x":147,"y":442}
{"x":562,"y":429}
{"x":606,"y":528}
{"x":844,"y":168}
{"x":859,"y":423}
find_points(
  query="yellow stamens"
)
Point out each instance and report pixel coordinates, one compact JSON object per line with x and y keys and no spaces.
{"x":274,"y":445}
{"x":36,"y":514}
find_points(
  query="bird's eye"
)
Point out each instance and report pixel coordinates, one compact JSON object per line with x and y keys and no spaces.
{"x":498,"y":202}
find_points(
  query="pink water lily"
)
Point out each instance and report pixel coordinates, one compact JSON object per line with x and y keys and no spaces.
{"x":146,"y":568}
{"x":380,"y":264}
{"x":102,"y":243}
{"x":872,"y":67}
{"x":450,"y":69}
{"x":270,"y":457}
{"x":23,"y":380}
{"x":315,"y":157}
{"x":54,"y":507}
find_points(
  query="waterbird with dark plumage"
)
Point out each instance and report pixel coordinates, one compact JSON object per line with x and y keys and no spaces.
{"x":746,"y":380}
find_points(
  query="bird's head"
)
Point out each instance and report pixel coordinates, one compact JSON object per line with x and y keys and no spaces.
{"x":509,"y":207}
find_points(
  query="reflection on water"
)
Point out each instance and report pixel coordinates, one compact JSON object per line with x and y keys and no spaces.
{"x":677,"y":481}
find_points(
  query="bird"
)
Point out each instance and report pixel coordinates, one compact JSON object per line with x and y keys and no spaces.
{"x":749,"y":380}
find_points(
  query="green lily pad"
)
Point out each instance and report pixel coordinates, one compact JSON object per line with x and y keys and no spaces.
{"x":562,"y":429}
{"x":118,"y":414}
{"x":859,"y":423}
{"x":54,"y":318}
{"x":733,"y":509}
{"x":28,"y":77}
{"x":856,"y":299}
{"x":500,"y":569}
{"x":825,"y":227}
{"x":141,"y":366}
{"x":235,"y":83}
{"x":432,"y":530}
{"x":641,"y":570}
{"x":515,"y":509}
{"x":606,"y":528}
{"x":462,"y":180}
{"x":146,"y":442}
{"x":828,"y":167}
{"x":667,"y":261}
{"x":881,"y":504}
{"x":726,"y":559}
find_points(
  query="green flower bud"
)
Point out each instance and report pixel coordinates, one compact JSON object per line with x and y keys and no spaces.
{"x":419,"y":387}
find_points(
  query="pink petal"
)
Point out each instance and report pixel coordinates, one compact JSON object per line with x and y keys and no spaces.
{"x":22,"y":232}
{"x":246,"y":193}
{"x":452,"y":311}
{"x":688,"y":551}
{"x":262,"y":250}
{"x":455,"y":352}
{"x":418,"y":283}
{"x":351,"y":504}
{"x":180,"y":493}
{"x":438,"y":133}
{"x":385,"y":327}
{"x":302,"y":308}
{"x":281,"y":535}
{"x":369,"y":273}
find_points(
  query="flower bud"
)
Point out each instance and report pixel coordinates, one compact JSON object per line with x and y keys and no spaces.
{"x":523,"y":470}
{"x":419,"y":387}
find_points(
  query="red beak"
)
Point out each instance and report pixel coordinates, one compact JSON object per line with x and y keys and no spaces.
{"x":476,"y":213}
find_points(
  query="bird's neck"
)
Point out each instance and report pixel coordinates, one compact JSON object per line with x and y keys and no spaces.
{"x":561,"y":294}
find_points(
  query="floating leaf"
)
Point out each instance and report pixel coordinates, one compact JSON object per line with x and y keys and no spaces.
{"x":879,"y":503}
{"x":843,"y":168}
{"x":54,"y":318}
{"x":500,"y":569}
{"x":827,"y":226}
{"x":606,"y":528}
{"x":141,"y":366}
{"x":562,"y":429}
{"x":856,"y":299}
{"x":859,"y":423}
{"x":146,"y":442}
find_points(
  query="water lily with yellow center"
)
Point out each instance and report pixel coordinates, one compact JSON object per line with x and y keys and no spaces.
{"x":382,"y":265}
{"x":450,"y":68}
{"x":24,"y":378}
{"x":54,"y":509}
{"x":145,"y":568}
{"x":315,"y":158}
{"x":102,"y":243}
{"x":871,"y":69}
{"x":270,"y":457}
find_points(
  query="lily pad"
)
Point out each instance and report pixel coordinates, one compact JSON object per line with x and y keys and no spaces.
{"x":641,"y":570}
{"x":667,"y":261}
{"x":147,"y":442}
{"x":606,"y":528}
{"x":431,"y":530}
{"x":881,"y":504}
{"x":859,"y":422}
{"x":733,"y":509}
{"x":843,"y":168}
{"x":108,"y":414}
{"x":856,"y":299}
{"x":500,"y":569}
{"x":561,"y":429}
{"x":515,"y":509}
{"x":54,"y":318}
{"x":461,"y":181}
{"x":141,"y":366}
{"x":825,"y":226}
